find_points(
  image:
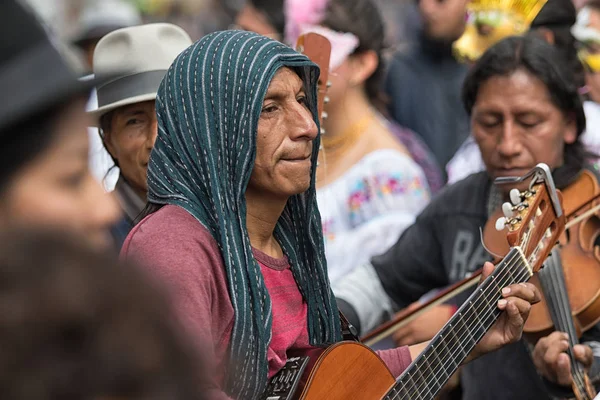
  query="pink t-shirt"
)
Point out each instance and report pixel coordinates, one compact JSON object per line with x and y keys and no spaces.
{"x":289,"y":310}
{"x":177,"y":250}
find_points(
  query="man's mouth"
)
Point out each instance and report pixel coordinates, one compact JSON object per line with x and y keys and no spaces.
{"x":512,"y":171}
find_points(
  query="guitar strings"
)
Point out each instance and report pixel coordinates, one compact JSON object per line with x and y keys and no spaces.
{"x":561,"y":320}
{"x":554,"y":285}
{"x":424,"y":363}
{"x":504,"y":275}
{"x":455,"y":349}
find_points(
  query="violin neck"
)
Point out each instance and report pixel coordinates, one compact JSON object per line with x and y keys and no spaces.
{"x":450,"y":347}
{"x":555,"y":291}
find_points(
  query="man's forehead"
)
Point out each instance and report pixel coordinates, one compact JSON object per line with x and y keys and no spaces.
{"x":144,"y":105}
{"x":285,"y":79}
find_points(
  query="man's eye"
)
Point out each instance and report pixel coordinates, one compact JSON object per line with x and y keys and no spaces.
{"x":269,"y":109}
{"x":302,"y":100}
{"x":133,"y":121}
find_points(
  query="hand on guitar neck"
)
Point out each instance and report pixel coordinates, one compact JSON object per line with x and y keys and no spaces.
{"x":516,"y":302}
{"x":551,"y":358}
{"x":507,"y":329}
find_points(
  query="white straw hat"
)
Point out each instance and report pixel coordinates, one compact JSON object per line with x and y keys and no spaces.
{"x":139,"y":56}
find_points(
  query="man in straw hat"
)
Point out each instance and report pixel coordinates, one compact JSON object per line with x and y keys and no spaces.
{"x":126,"y":115}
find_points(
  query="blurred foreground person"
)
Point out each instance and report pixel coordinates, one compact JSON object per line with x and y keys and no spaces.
{"x":126,"y":114}
{"x":44,"y":172}
{"x":77,"y":325}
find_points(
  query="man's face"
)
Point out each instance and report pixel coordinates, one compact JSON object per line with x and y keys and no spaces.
{"x":130,"y":140}
{"x":443,"y":20}
{"x":284,"y":140}
{"x":517,"y":126}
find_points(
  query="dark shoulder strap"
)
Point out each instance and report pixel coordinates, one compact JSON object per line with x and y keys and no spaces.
{"x":349,"y":332}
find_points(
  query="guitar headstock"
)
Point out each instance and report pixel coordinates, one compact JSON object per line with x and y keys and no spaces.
{"x":534,"y":218}
{"x":318,"y":49}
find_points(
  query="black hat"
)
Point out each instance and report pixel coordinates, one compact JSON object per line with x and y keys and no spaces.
{"x":34,"y":74}
{"x":556,"y":13}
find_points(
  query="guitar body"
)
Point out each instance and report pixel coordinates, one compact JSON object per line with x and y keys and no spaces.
{"x":345,"y":370}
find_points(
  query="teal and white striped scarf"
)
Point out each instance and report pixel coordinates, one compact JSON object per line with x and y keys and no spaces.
{"x":208,"y":107}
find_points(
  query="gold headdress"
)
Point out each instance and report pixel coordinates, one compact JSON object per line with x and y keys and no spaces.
{"x":490,"y":21}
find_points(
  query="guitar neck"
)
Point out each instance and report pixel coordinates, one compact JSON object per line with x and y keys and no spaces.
{"x":429,"y":372}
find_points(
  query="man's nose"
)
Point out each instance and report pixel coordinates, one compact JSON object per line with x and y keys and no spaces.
{"x":509,"y":143}
{"x":304,"y":126}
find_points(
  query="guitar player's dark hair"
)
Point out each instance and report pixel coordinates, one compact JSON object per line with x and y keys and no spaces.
{"x":545,"y":62}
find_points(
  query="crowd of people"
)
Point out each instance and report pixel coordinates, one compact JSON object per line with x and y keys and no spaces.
{"x":178,"y":217}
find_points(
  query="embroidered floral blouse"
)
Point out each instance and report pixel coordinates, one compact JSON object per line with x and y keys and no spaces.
{"x":365,"y":210}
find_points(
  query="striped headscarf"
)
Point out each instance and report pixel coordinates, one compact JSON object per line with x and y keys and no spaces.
{"x":208,"y":107}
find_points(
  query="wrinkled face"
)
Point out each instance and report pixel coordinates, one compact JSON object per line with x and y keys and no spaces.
{"x":130,"y":140}
{"x":517,"y":126}
{"x":251,"y":19}
{"x":443,"y":20}
{"x":57,"y":189}
{"x":284,"y":140}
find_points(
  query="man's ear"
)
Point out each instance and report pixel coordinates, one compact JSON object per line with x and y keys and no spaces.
{"x":570,"y":133}
{"x":108,"y":145}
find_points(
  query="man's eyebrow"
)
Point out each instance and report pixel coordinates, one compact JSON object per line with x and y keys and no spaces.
{"x":132,"y":112}
{"x":280,"y":95}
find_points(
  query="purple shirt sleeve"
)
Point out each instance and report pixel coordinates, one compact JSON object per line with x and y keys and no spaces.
{"x":175,"y":249}
{"x":397,"y":360}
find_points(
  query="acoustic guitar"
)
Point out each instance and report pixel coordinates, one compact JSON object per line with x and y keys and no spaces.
{"x":350,"y":370}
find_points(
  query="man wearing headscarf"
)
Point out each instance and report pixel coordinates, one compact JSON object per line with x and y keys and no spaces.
{"x":234,"y":231}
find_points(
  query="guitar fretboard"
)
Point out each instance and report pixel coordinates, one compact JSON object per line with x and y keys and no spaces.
{"x":450,"y":347}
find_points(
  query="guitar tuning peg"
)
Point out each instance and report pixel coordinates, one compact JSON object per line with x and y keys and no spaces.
{"x":507,"y":210}
{"x":321,"y":147}
{"x":322,"y":131}
{"x":326,"y":100}
{"x":515,"y":197}
{"x":501,"y":223}
{"x":324,"y":115}
{"x":328,"y":84}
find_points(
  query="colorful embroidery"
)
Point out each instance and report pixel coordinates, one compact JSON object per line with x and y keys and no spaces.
{"x":328,"y":229}
{"x":377,"y":188}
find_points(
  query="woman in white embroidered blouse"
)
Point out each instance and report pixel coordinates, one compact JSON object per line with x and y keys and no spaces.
{"x":369,"y":187}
